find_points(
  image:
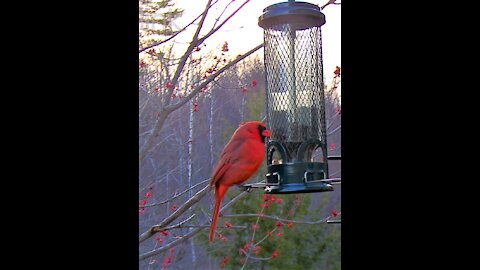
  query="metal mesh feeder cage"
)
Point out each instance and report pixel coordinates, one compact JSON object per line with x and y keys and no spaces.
{"x":295,"y":98}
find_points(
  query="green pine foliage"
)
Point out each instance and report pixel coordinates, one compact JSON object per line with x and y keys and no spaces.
{"x":299,"y":246}
{"x":155,"y":19}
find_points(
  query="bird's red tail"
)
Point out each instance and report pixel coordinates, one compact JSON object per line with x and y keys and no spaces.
{"x":219,"y":194}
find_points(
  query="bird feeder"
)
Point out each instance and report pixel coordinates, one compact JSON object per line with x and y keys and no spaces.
{"x":295,"y":98}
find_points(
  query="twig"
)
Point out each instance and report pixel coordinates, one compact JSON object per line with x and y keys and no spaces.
{"x":190,"y":234}
{"x":178,"y":225}
{"x":176,"y":196}
{"x":178,"y":32}
{"x":177,"y":105}
{"x":221,"y":14}
{"x":184,"y":238}
{"x":265,"y":237}
{"x":257,"y":258}
{"x":323,"y":220}
{"x":224,"y":22}
{"x":253,"y":236}
{"x":220,"y":227}
{"x":332,"y":120}
{"x":333,"y":131}
{"x":146,"y":148}
{"x":330,"y":2}
{"x":158,"y":179}
{"x":182,"y":209}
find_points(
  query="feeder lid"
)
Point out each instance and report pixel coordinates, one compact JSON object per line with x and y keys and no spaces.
{"x":301,"y":15}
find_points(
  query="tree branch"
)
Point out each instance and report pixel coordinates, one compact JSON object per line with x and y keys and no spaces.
{"x":332,"y":120}
{"x":157,"y":180}
{"x":258,"y":258}
{"x":333,"y":131}
{"x":188,"y":52}
{"x":184,"y":238}
{"x":178,"y":225}
{"x":147,"y":145}
{"x":163,"y":114}
{"x":323,"y":220}
{"x":208,"y":226}
{"x":334,"y":173}
{"x":182,"y":209}
{"x":176,"y":196}
{"x":190,"y":234}
{"x":220,"y":26}
{"x":221,"y":14}
{"x":177,"y":105}
{"x":328,"y":3}
{"x":265,"y":237}
{"x":177,"y":33}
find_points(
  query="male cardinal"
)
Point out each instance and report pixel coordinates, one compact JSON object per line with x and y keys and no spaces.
{"x":240,"y":159}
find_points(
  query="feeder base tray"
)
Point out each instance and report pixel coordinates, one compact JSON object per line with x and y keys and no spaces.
{"x":298,"y":188}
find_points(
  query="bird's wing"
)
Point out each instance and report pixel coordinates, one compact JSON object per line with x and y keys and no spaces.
{"x":225,"y":161}
{"x":222,"y":167}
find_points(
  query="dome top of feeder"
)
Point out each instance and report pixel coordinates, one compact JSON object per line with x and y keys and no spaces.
{"x":302,"y":15}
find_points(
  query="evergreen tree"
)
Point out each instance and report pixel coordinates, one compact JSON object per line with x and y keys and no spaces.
{"x":156,"y":18}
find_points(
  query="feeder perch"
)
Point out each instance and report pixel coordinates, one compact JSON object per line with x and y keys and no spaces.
{"x":334,"y":221}
{"x":295,"y":98}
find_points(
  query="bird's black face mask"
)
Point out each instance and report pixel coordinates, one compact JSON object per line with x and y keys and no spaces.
{"x":264,"y":132}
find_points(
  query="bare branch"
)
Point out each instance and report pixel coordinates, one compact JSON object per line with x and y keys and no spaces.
{"x":158,"y":179}
{"x":144,"y":133}
{"x":234,"y":200}
{"x":221,"y":14}
{"x":332,"y":120}
{"x":162,"y":141}
{"x":328,"y":3}
{"x":150,"y":138}
{"x":177,"y":33}
{"x":191,"y":233}
{"x":176,"y":196}
{"x":335,"y":130}
{"x":163,"y":114}
{"x":257,"y":258}
{"x":178,"y":225}
{"x":265,"y":237}
{"x":182,"y":209}
{"x":323,"y":220}
{"x":189,"y":50}
{"x":335,"y":173}
{"x":225,"y":21}
{"x":184,"y":238}
{"x":177,"y":105}
{"x":208,"y":226}
{"x":144,"y":106}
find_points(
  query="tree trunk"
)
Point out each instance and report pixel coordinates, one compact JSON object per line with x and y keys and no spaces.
{"x":210,"y":132}
{"x":189,"y":169}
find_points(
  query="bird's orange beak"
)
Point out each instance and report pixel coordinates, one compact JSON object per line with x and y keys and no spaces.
{"x":266,"y":133}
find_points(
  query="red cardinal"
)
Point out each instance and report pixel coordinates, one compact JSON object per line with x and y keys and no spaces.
{"x":240,"y":159}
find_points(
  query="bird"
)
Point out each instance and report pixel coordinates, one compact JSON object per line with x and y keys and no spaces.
{"x":240,"y":159}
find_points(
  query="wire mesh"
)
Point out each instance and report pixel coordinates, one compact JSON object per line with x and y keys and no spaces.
{"x":295,"y":98}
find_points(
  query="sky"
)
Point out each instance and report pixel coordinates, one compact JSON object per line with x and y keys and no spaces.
{"x":243,"y":33}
